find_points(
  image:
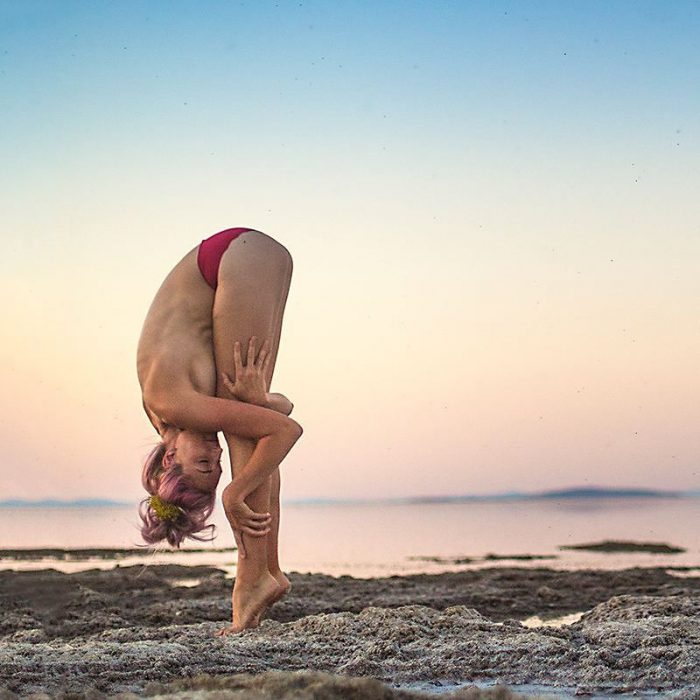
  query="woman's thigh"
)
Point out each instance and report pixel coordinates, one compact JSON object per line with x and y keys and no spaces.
{"x":253,"y":285}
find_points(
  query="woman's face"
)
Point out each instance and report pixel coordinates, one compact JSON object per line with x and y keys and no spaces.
{"x":199,"y":454}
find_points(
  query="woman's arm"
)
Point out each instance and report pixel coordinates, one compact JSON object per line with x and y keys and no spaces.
{"x":192,"y":410}
{"x":274,"y":432}
{"x":275,"y":402}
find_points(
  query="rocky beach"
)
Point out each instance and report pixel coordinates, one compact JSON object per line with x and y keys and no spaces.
{"x":150,"y":630}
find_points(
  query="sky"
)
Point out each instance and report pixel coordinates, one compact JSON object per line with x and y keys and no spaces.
{"x":491,"y":206}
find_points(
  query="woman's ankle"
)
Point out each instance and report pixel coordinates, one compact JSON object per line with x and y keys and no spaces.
{"x":249,"y":572}
{"x":281,"y":579}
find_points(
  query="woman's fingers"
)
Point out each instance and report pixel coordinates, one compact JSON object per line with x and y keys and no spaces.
{"x":237,"y":361}
{"x":264,"y":354}
{"x":244,"y":519}
{"x":229,"y":382}
{"x":259,"y":516}
{"x":256,"y":533}
{"x":256,"y":525}
{"x":255,"y":521}
{"x":254,"y":360}
{"x":266,"y":364}
{"x":250,"y":360}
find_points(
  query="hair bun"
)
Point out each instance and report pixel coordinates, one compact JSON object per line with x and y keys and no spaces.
{"x":163,"y":509}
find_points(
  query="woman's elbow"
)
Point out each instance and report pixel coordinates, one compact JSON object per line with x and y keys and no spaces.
{"x":293,"y":429}
{"x":286,"y":434}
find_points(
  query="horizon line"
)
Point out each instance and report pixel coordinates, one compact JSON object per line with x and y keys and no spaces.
{"x":568,"y":492}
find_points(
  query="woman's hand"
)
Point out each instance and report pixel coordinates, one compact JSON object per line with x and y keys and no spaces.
{"x":243,"y":519}
{"x":250,"y":380}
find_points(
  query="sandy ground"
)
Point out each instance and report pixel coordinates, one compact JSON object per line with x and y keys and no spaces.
{"x":137,"y":629}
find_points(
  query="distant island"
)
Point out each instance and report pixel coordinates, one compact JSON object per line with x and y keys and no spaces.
{"x":578,"y":492}
{"x":598,"y":492}
{"x":56,"y":503}
{"x":575,"y":492}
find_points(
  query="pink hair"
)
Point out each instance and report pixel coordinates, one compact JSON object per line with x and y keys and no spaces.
{"x":172,"y":486}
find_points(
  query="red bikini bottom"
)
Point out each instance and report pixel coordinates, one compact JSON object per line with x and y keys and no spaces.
{"x":210,"y":251}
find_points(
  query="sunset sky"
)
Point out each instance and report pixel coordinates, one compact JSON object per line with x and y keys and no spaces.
{"x":492,"y":209}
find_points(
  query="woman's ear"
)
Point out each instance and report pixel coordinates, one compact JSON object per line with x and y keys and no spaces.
{"x":168,"y":459}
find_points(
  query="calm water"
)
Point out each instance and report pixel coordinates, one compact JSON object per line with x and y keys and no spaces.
{"x":384,"y":539}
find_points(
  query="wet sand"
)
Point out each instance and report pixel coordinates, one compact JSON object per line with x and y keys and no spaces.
{"x":103,"y":632}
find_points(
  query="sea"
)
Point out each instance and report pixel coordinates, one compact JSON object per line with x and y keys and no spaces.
{"x":370,"y":539}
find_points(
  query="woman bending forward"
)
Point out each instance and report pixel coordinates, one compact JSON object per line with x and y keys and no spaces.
{"x":226,"y":293}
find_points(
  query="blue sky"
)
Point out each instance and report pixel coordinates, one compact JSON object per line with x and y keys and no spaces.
{"x":514,"y":182}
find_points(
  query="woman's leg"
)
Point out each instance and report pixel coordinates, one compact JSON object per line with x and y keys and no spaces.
{"x":254,"y":279}
{"x":273,"y":563}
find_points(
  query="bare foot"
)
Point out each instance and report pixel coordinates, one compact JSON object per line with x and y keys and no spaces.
{"x":283,"y":588}
{"x":249,"y":601}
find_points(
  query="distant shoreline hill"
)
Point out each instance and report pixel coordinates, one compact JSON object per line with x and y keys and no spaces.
{"x":56,"y":503}
{"x":587,"y":492}
{"x":581,"y":492}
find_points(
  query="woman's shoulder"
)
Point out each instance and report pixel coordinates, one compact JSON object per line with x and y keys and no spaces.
{"x":158,"y":423}
{"x":159,"y":397}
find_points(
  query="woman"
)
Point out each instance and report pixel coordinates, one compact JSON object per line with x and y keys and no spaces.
{"x":229,"y":290}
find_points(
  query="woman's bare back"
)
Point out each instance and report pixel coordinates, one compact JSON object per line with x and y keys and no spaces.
{"x":175,"y":349}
